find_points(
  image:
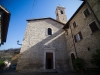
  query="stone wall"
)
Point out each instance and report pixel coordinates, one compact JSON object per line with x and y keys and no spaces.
{"x":36,"y":39}
{"x":90,"y":40}
{"x":95,"y":5}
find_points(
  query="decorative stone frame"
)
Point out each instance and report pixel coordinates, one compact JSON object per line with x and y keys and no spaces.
{"x":49,"y":50}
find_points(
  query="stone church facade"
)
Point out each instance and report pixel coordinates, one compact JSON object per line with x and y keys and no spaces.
{"x":44,"y":45}
{"x":51,"y":44}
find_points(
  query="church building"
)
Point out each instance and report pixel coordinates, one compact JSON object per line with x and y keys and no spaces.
{"x":44,"y":46}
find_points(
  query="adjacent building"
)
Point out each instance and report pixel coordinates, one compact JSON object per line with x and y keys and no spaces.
{"x":83,"y":32}
{"x":4,"y":24}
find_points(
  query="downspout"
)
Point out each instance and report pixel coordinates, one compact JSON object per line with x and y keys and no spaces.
{"x":73,"y":42}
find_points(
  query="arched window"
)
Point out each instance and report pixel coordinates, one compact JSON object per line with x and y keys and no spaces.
{"x":61,"y":12}
{"x":49,"y":31}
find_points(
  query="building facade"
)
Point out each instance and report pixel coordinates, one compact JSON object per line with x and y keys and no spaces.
{"x":44,"y":46}
{"x":83,"y":33}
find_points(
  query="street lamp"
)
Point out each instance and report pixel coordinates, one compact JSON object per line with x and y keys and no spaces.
{"x":18,"y":42}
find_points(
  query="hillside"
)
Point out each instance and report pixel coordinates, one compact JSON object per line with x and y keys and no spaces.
{"x":9,"y":53}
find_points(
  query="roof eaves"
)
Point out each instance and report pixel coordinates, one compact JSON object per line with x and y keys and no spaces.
{"x":4,"y":9}
{"x":45,"y":18}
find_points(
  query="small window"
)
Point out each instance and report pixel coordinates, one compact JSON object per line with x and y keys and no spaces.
{"x":86,"y":13}
{"x":49,"y":31}
{"x":74,"y":24}
{"x":61,"y":12}
{"x":78,"y":37}
{"x":93,"y":27}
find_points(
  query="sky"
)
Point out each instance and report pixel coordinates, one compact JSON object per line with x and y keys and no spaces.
{"x":21,"y":10}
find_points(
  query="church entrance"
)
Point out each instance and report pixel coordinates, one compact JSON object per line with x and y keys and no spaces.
{"x":49,"y":60}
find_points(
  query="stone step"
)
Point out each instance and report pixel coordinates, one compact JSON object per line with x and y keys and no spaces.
{"x":59,"y":71}
{"x":48,"y":70}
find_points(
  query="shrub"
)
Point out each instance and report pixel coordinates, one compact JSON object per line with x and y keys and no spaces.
{"x":1,"y":64}
{"x":96,"y":58}
{"x":78,"y":64}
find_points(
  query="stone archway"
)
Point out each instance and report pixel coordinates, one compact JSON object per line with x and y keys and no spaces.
{"x":72,"y":57}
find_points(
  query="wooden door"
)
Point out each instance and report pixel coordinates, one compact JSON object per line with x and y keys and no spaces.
{"x":49,"y":60}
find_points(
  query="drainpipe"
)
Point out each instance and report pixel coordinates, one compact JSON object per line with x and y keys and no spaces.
{"x":73,"y":41}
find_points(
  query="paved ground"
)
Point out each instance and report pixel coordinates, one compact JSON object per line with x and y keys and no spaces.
{"x":12,"y":72}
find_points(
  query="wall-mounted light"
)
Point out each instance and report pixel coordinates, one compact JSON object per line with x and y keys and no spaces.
{"x":18,"y":42}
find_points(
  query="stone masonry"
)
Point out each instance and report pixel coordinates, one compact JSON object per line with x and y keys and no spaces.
{"x":90,"y":40}
{"x":36,"y":41}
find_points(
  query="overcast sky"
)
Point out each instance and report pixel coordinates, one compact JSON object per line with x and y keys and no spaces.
{"x":21,"y":10}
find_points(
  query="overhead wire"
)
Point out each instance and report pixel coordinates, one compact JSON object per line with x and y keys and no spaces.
{"x":34,"y":3}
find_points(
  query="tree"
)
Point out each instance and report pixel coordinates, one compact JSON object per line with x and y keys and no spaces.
{"x":96,"y":58}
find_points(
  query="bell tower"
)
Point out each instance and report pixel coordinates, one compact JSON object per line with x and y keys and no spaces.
{"x":60,"y":14}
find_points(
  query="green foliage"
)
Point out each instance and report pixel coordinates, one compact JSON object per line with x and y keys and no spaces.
{"x":96,"y":58}
{"x":2,"y":63}
{"x":78,"y":64}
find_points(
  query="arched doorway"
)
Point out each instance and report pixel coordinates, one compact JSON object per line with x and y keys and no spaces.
{"x":72,"y":57}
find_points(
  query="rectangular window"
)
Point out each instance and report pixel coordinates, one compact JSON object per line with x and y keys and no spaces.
{"x":78,"y":37}
{"x":86,"y":13}
{"x":93,"y":27}
{"x":74,"y":24}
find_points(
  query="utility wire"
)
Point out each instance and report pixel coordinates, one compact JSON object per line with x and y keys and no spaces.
{"x":34,"y":3}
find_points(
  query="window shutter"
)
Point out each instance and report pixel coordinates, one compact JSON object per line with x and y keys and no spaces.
{"x":74,"y":24}
{"x":86,"y":12}
{"x":93,"y":27}
{"x":75,"y":38}
{"x":80,"y":35}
